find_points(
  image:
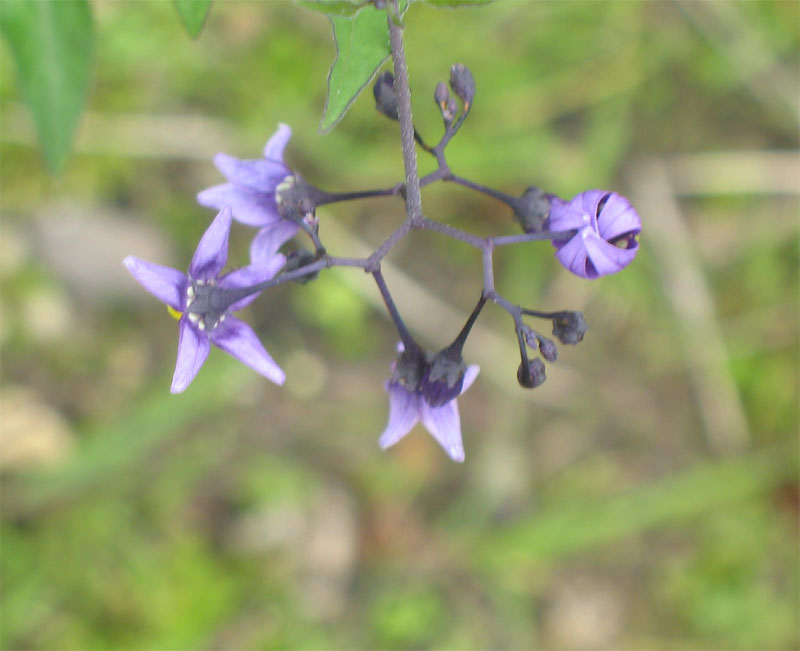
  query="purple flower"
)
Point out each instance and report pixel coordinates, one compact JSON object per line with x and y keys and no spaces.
{"x":204,"y":300}
{"x":606,"y":225}
{"x":409,"y":404}
{"x":251,"y":189}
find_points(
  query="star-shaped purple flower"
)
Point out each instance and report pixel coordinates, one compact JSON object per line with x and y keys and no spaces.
{"x":250,"y":191}
{"x":204,"y":299}
{"x":409,"y":406}
{"x":606,"y":225}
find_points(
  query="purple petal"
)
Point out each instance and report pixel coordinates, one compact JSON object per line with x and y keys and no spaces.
{"x":252,"y":275}
{"x":567,"y":216}
{"x":444,"y":424}
{"x":166,"y":284}
{"x":469,"y":377}
{"x":617,"y":218}
{"x":271,"y":238}
{"x":589,"y":200}
{"x":607,"y":258}
{"x":259,"y":175}
{"x":193,"y":349}
{"x":403,"y":415}
{"x":237,"y":338}
{"x":273,"y":150}
{"x":212,"y":252}
{"x":248,"y":207}
{"x":572,"y":254}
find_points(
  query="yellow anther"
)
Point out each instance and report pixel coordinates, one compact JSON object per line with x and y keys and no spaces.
{"x":174,"y":313}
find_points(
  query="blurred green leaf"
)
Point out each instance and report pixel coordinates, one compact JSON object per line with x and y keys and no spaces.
{"x":334,"y":7}
{"x":362,"y":46}
{"x":52,"y":44}
{"x":455,"y":4}
{"x":193,"y":14}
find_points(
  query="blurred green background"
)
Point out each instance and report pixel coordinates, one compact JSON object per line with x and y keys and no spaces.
{"x":645,"y":497}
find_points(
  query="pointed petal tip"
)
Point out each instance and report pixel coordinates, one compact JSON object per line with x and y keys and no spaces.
{"x":456,"y":455}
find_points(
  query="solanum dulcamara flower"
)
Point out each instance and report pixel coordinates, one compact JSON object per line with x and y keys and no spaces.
{"x":606,"y":228}
{"x":251,"y":190}
{"x":204,"y":299}
{"x":416,"y":395}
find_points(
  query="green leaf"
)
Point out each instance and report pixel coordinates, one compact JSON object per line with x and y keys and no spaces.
{"x":455,"y":4}
{"x":51,"y":43}
{"x":362,"y":46}
{"x":334,"y":7}
{"x":193,"y":14}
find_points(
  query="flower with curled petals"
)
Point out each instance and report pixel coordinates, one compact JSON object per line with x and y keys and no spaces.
{"x":606,"y":228}
{"x":204,"y":300}
{"x":409,"y":403}
{"x":251,"y":190}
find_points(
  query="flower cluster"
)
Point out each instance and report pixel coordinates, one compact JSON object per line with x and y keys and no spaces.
{"x":594,"y":234}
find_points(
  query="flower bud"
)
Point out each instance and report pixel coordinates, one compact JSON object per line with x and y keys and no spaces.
{"x":463,"y":83}
{"x":441,"y":95}
{"x":548,"y":349}
{"x":532,"y":209}
{"x":300,"y":258}
{"x":385,"y":98}
{"x":532,"y":375}
{"x":569,"y":327}
{"x":450,"y":111}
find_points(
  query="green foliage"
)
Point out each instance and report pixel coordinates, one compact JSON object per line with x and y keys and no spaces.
{"x":52,"y":44}
{"x":362,"y":46}
{"x":455,"y":4}
{"x":334,"y":7}
{"x":193,"y":14}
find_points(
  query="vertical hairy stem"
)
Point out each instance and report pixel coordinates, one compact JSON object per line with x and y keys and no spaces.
{"x":403,"y":93}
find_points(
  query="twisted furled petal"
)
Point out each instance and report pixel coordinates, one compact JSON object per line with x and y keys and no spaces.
{"x":605,"y":241}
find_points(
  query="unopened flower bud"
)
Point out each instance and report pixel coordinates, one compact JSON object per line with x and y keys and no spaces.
{"x":532,"y":210}
{"x":300,"y":258}
{"x":450,"y":111}
{"x":441,"y":95}
{"x":570,"y":327}
{"x":532,"y":375}
{"x":385,"y":98}
{"x":548,"y":349}
{"x":463,"y":83}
